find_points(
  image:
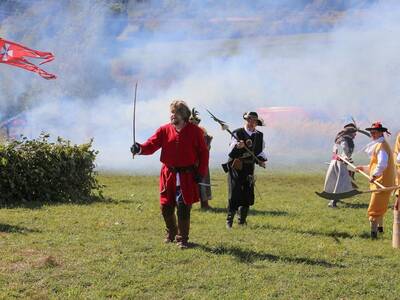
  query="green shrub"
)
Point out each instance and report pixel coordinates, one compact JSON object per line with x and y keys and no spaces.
{"x":39,"y":170}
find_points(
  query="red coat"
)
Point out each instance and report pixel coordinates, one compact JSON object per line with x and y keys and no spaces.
{"x":179,"y":149}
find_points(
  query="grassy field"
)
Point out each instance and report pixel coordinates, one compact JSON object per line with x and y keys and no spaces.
{"x":294,"y":247}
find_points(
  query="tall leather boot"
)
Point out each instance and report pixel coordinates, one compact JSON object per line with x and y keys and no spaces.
{"x":205,"y":194}
{"x":374,"y":229}
{"x":229,"y":218}
{"x":183,"y":212}
{"x":243,"y":210}
{"x":379,"y":220}
{"x":204,"y":205}
{"x":168,"y":213}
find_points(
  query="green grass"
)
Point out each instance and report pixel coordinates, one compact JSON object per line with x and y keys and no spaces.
{"x":294,"y":247}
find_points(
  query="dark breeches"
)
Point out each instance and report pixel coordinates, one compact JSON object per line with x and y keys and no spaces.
{"x":241,"y":187}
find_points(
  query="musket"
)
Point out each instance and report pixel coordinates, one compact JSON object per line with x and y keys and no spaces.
{"x":224,"y":126}
{"x":134,"y":119}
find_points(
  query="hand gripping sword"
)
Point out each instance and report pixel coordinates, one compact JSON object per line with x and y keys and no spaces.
{"x":224,"y":126}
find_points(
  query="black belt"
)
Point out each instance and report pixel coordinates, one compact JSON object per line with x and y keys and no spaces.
{"x":187,"y":169}
{"x":247,"y":160}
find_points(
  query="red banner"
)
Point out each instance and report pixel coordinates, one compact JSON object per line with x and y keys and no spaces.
{"x":14,"y":54}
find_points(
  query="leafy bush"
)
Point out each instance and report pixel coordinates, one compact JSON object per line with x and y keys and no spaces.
{"x":39,"y":170}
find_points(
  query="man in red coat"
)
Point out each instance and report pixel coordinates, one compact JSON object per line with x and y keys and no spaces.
{"x":184,"y":158}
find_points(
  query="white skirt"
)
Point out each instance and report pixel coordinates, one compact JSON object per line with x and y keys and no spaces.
{"x":337,"y":178}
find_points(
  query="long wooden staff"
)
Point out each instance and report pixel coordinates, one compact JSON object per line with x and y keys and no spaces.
{"x":391,"y":188}
{"x":360,"y":171}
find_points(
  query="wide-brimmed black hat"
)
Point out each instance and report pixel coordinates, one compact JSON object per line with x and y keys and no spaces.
{"x":378,"y":127}
{"x":350,"y":128}
{"x":253,"y":115}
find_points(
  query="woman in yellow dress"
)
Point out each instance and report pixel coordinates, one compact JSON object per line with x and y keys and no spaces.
{"x":381,"y":169}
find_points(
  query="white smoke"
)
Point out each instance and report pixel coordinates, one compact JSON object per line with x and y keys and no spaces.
{"x":352,"y":70}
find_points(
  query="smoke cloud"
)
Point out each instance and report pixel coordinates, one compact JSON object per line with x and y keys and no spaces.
{"x":329,"y":63}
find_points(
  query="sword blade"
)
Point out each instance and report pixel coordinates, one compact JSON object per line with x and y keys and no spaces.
{"x":134,"y":116}
{"x":206,"y":184}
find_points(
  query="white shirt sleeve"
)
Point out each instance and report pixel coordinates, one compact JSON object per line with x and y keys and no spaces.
{"x":398,"y":158}
{"x":262,"y":153}
{"x":382,"y":163}
{"x":232,"y":144}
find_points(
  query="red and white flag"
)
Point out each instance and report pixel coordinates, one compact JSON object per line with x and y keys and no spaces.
{"x":14,"y":54}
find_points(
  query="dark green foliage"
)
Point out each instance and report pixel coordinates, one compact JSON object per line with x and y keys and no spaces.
{"x":39,"y":170}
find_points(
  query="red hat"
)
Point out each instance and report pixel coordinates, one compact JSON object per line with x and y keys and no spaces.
{"x":377,"y":126}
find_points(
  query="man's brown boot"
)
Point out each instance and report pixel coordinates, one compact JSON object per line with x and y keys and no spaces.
{"x":168,"y":213}
{"x":183,"y":225}
{"x":204,"y":205}
{"x":182,"y":237}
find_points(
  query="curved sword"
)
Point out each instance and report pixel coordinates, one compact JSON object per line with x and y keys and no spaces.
{"x":134,"y":119}
{"x":206,"y":184}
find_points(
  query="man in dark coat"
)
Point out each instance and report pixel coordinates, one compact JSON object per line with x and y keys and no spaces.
{"x":240,"y":167}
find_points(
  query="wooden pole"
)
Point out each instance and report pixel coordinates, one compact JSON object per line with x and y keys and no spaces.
{"x":396,"y":229}
{"x":361,"y":172}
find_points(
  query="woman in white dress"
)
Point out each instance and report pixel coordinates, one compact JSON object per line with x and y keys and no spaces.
{"x":338,"y":178}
